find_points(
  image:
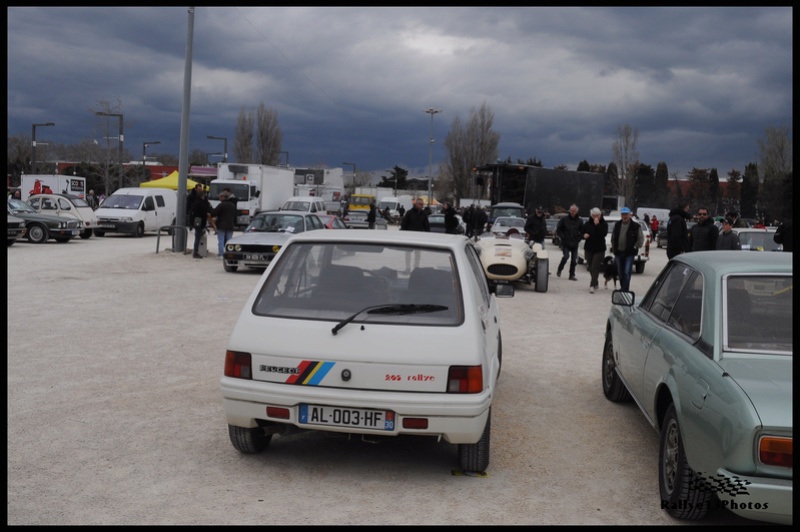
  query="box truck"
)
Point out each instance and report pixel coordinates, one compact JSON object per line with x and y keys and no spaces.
{"x":256,"y":187}
{"x":52,"y":184}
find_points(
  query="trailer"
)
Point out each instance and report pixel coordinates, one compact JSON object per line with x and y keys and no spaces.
{"x":52,"y":184}
{"x":256,"y":187}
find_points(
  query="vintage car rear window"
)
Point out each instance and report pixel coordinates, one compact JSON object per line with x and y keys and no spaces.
{"x":381,"y":283}
{"x":758,"y":313}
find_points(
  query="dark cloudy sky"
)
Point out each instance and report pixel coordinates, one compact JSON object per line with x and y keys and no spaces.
{"x":350,"y":84}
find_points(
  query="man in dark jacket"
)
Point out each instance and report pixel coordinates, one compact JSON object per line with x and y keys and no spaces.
{"x":626,"y":239}
{"x":570,"y":232}
{"x":200,"y":212}
{"x":450,"y":219}
{"x":783,"y":235}
{"x":594,"y":246}
{"x":479,"y":220}
{"x":415,"y":219}
{"x":536,"y":226}
{"x":703,"y":235}
{"x":677,"y":233}
{"x":372,"y":214}
{"x":225,"y":214}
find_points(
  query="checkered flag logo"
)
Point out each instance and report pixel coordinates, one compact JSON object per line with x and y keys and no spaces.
{"x":721,"y":484}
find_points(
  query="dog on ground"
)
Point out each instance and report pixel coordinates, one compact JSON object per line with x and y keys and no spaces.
{"x":610,"y":272}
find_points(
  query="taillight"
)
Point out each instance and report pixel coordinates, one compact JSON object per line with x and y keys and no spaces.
{"x":465,"y":379}
{"x":237,"y":365}
{"x":775,"y":451}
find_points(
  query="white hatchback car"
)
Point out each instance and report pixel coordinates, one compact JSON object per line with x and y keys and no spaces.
{"x":339,"y":336}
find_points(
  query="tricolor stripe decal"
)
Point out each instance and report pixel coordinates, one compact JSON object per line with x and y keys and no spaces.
{"x":311,"y":373}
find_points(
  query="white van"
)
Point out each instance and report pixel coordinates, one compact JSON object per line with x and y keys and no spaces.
{"x":306,"y":204}
{"x":136,"y":211}
{"x":393,"y":204}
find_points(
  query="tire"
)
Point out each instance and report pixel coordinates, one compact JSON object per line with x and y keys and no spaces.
{"x":229,"y":267}
{"x":86,"y":234}
{"x":682,"y":493}
{"x":640,"y":267}
{"x":613,"y":387}
{"x":139,"y":233}
{"x":98,"y":232}
{"x":38,"y":234}
{"x":248,"y":440}
{"x":474,"y":457}
{"x":542,"y":274}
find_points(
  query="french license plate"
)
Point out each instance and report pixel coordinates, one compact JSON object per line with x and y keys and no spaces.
{"x":106,"y":226}
{"x":75,"y":232}
{"x":346,"y":417}
{"x":254,"y":256}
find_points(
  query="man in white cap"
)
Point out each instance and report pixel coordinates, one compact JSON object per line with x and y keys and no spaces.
{"x":626,"y":239}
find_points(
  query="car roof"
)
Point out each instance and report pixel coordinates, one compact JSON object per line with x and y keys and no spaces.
{"x":720,"y":263}
{"x":299,"y":213}
{"x":68,"y":196}
{"x":422,"y":238}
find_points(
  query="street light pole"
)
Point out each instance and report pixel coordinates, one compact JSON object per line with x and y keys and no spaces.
{"x":121,"y":139}
{"x":144,"y":155}
{"x":224,"y":147}
{"x":33,"y":144}
{"x":431,"y":111}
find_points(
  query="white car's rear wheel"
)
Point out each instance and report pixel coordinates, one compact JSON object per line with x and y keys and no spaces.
{"x":248,"y":440}
{"x":474,"y":457}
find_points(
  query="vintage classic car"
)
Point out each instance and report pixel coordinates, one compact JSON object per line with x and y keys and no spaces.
{"x":265,"y":236}
{"x":42,"y":227}
{"x":69,"y":206}
{"x":322,"y":343}
{"x":707,"y":357}
{"x":508,"y":258}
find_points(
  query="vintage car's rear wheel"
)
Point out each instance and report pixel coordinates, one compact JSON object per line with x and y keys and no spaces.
{"x":542,"y":274}
{"x":248,"y":440}
{"x":474,"y":457}
{"x":37,"y":233}
{"x":613,"y":387}
{"x":685,"y":495}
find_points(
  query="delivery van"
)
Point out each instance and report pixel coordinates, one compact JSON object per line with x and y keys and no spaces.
{"x":136,"y":211}
{"x":305,"y":203}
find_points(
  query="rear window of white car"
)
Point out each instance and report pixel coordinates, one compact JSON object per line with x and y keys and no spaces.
{"x":384,"y":283}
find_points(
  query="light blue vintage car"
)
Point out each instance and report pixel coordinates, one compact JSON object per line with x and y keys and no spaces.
{"x":707,"y":356}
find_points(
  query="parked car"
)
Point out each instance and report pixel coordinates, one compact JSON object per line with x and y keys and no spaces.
{"x":755,"y":239}
{"x":67,"y":205}
{"x":337,"y":336}
{"x":358,"y":220}
{"x":265,"y":236}
{"x":436,"y":222}
{"x":16,"y":229}
{"x":644,"y":251}
{"x":551,"y":224}
{"x":508,"y":225}
{"x":42,"y":227}
{"x":707,"y":357}
{"x":507,"y":258}
{"x":332,"y":221}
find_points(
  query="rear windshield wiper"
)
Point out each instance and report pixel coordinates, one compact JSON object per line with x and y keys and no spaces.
{"x":409,"y":308}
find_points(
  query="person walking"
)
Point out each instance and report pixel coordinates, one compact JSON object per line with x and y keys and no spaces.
{"x":677,"y":232}
{"x":569,"y":233}
{"x":225,"y":216}
{"x":626,"y":239}
{"x":703,"y":235}
{"x":783,"y":234}
{"x":736,"y":219}
{"x":91,"y":199}
{"x":479,"y":220}
{"x":200,"y":213}
{"x":469,"y":212}
{"x":372,"y":214}
{"x":191,"y":197}
{"x":727,"y":238}
{"x":594,"y":246}
{"x":654,"y":226}
{"x":450,"y":219}
{"x":536,"y":226}
{"x":415,"y":219}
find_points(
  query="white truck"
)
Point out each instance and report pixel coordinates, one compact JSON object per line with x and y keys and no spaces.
{"x":393,"y":203}
{"x":256,"y":187}
{"x":52,"y":184}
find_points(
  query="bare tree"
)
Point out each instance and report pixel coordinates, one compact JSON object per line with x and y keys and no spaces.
{"x":243,"y":139}
{"x":468,"y":146}
{"x":775,"y":165}
{"x":626,"y":157}
{"x":269,"y":136}
{"x":108,"y":140}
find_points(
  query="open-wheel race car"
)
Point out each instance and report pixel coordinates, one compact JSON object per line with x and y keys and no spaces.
{"x":508,"y":258}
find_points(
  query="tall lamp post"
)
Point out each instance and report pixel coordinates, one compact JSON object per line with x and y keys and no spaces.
{"x":144,"y":155}
{"x":353,"y":181}
{"x":224,"y":147}
{"x":121,"y":139}
{"x":431,"y":111}
{"x":33,"y":144}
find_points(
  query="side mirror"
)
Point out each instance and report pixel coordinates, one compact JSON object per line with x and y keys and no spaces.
{"x":620,"y":297}
{"x":504,"y":290}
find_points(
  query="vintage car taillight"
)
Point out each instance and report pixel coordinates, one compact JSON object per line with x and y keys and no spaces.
{"x":237,"y":365}
{"x":776,"y":451}
{"x":465,"y":379}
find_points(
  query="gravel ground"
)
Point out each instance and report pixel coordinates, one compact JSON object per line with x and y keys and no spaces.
{"x":115,"y":416}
